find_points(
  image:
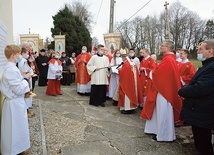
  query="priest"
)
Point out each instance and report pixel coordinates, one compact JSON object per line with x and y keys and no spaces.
{"x":166,"y":82}
{"x":83,"y":78}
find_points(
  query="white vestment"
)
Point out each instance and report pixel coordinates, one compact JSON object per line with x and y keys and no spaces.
{"x":84,"y":88}
{"x":24,"y":67}
{"x":98,"y":77}
{"x":162,"y":122}
{"x":137,"y":62}
{"x":14,"y":126}
{"x":114,"y":76}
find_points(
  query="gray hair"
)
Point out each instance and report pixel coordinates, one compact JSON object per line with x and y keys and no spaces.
{"x":209,"y":44}
{"x":170,"y":44}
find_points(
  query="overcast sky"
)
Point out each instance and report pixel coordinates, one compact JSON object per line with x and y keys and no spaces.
{"x":37,"y":14}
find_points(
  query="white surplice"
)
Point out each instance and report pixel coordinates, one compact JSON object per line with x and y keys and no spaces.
{"x":52,"y":70}
{"x":14,"y":126}
{"x":137,"y":62}
{"x":24,"y":67}
{"x":162,"y":122}
{"x":114,"y":79}
{"x":98,"y":77}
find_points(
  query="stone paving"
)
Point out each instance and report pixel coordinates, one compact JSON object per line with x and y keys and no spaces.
{"x":73,"y":127}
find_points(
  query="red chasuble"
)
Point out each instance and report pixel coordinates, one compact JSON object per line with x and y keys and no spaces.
{"x":80,"y":63}
{"x":187,"y":71}
{"x":166,"y":81}
{"x":127,"y":80}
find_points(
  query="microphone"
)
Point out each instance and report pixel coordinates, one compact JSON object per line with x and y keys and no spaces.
{"x":120,"y":65}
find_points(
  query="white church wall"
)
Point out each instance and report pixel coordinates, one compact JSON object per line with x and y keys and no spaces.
{"x":3,"y":43}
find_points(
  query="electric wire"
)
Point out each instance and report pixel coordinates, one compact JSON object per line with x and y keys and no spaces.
{"x":98,"y":14}
{"x":134,"y":14}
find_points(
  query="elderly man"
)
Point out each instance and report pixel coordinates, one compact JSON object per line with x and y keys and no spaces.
{"x":166,"y":81}
{"x":198,"y":106}
{"x":83,"y":78}
{"x":129,"y":88}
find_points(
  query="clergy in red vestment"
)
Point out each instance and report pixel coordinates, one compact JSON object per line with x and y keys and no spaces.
{"x":146,"y":65}
{"x":129,"y":88}
{"x":54,"y":75}
{"x":167,"y":104}
{"x":83,"y":78}
{"x":187,"y":69}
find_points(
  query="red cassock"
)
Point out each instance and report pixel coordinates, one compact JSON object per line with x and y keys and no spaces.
{"x":187,"y":71}
{"x":80,"y":63}
{"x":53,"y":87}
{"x":166,"y":81}
{"x":127,"y":85}
{"x":149,"y":64}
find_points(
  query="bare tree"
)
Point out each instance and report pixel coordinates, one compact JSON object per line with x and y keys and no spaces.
{"x":81,"y":9}
{"x":187,"y":29}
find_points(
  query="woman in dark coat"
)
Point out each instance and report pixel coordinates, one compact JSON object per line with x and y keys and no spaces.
{"x":42,"y":64}
{"x":198,"y":106}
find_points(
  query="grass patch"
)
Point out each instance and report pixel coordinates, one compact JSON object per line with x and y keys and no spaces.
{"x":196,"y":62}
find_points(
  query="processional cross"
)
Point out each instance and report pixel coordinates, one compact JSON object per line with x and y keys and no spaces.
{"x":167,"y":17}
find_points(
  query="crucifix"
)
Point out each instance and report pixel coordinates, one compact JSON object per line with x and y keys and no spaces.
{"x":167,"y":17}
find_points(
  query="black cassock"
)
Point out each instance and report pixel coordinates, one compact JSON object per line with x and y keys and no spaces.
{"x":97,"y":99}
{"x":43,"y":70}
{"x":66,"y":74}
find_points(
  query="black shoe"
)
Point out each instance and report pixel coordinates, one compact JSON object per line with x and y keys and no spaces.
{"x":114,"y":103}
{"x":87,"y":94}
{"x":151,"y":134}
{"x":102,"y":105}
{"x":107,"y":98}
{"x":93,"y":105}
{"x":154,"y":138}
{"x":82,"y":94}
{"x":126,"y":111}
